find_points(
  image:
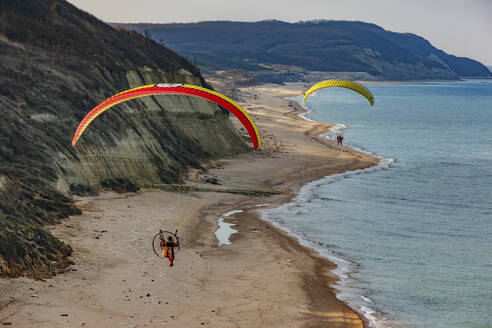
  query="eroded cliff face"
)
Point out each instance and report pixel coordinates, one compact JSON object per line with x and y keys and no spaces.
{"x":56,"y":64}
{"x":164,"y":128}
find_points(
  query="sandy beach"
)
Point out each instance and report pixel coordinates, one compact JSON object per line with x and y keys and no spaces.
{"x":264,"y":278}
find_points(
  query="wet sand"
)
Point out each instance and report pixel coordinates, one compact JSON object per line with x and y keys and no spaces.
{"x":264,"y":278}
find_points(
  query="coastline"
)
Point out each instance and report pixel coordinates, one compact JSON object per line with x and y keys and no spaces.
{"x":265,"y":277}
{"x":344,"y":267}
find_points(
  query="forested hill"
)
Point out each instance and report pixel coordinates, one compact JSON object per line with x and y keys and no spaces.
{"x":57,"y":63}
{"x":328,"y":46}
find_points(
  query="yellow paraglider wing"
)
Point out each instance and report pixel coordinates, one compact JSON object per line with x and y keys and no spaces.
{"x":344,"y":84}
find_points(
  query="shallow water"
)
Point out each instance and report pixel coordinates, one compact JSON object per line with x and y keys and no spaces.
{"x":225,"y":230}
{"x":417,"y":233}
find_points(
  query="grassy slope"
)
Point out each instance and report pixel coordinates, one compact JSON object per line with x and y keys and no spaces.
{"x":56,"y":63}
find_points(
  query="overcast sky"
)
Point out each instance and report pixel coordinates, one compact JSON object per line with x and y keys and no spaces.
{"x":459,"y":27}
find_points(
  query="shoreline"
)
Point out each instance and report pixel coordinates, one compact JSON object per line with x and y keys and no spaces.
{"x":344,"y":266}
{"x":319,"y":133}
{"x":265,"y":277}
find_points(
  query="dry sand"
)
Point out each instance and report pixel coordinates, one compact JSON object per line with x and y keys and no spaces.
{"x":263,"y":279}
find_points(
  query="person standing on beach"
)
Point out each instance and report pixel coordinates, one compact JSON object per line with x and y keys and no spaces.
{"x":339,"y":139}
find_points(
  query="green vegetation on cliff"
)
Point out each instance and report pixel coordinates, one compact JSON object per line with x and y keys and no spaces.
{"x":276,"y":50}
{"x":56,"y":63}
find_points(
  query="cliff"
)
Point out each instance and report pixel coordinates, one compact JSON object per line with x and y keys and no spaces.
{"x":56,"y":63}
{"x":276,"y":50}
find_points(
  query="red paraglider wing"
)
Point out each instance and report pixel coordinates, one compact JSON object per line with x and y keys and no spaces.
{"x":180,"y":89}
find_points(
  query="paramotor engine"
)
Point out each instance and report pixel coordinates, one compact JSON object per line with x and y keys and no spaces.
{"x":164,"y":236}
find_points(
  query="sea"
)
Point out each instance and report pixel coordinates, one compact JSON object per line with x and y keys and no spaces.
{"x":412,"y":237}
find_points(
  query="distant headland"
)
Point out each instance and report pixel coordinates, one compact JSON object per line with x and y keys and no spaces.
{"x":276,"y":51}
